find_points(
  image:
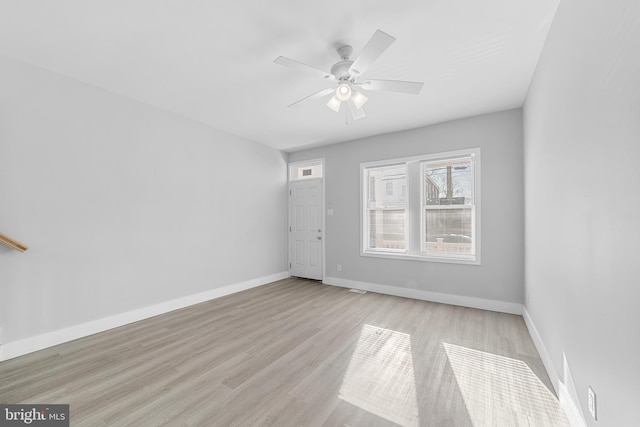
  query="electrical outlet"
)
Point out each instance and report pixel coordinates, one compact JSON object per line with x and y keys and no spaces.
{"x":339,"y":267}
{"x":592,"y":403}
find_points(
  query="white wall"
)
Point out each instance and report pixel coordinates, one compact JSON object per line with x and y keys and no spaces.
{"x":582,"y":161}
{"x":501,"y":275}
{"x":123,"y":205}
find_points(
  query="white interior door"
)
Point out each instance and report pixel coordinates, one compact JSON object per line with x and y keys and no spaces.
{"x":305,"y":229}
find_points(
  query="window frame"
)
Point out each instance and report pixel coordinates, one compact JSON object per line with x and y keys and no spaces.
{"x":415,"y":214}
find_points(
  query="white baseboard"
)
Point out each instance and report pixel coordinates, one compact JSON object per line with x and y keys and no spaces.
{"x":39,"y":342}
{"x":574,"y":415}
{"x":570,"y":407}
{"x":542,"y":350}
{"x":483,"y":304}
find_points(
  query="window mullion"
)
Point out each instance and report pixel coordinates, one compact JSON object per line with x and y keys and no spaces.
{"x":413,"y":208}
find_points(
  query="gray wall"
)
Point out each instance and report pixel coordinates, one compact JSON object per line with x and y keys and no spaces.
{"x":123,"y":205}
{"x":501,"y":275}
{"x":582,"y":161}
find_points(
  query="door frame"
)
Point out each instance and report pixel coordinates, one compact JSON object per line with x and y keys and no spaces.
{"x":322,"y":207}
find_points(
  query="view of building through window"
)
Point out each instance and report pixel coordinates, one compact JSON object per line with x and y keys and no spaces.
{"x":448,"y":206}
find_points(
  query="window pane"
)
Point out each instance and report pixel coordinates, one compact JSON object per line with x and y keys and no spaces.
{"x":449,"y":231}
{"x":386,"y":229}
{"x":387,"y":202}
{"x":305,"y":171}
{"x":448,"y":182}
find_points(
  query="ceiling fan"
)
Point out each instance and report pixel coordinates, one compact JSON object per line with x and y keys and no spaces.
{"x":348,"y":76}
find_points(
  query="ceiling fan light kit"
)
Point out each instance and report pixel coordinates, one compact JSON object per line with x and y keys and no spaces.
{"x":346,"y":73}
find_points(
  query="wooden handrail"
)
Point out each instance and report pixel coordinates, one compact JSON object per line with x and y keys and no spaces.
{"x":12,"y":243}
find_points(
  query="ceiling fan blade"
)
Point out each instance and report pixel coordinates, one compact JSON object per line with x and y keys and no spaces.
{"x":291,"y":63}
{"x":356,"y":113}
{"x":378,"y":43}
{"x":320,"y":94}
{"x":413,"y":88}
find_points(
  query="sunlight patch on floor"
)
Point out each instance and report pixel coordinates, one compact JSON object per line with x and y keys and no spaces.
{"x":380,"y":377}
{"x":499,"y":390}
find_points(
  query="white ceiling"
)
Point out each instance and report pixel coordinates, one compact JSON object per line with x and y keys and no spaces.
{"x":212,"y":61}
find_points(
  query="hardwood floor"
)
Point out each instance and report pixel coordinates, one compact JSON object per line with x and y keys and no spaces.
{"x":296,"y":352}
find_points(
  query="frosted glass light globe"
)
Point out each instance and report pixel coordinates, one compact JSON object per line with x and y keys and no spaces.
{"x":343,"y":92}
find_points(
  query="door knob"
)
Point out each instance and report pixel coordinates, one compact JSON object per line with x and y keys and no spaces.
{"x":319,"y":237}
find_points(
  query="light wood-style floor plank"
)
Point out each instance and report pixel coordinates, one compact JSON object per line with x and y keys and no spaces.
{"x":297,"y":353}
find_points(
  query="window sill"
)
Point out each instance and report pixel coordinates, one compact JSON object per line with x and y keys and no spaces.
{"x":450,"y":259}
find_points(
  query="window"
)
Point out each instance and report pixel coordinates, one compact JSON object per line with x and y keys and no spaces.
{"x":389,"y":188}
{"x":448,"y":206}
{"x":306,"y":170}
{"x":425,"y":207}
{"x":386,"y":211}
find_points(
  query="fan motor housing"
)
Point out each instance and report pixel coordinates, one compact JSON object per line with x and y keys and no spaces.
{"x":341,"y":70}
